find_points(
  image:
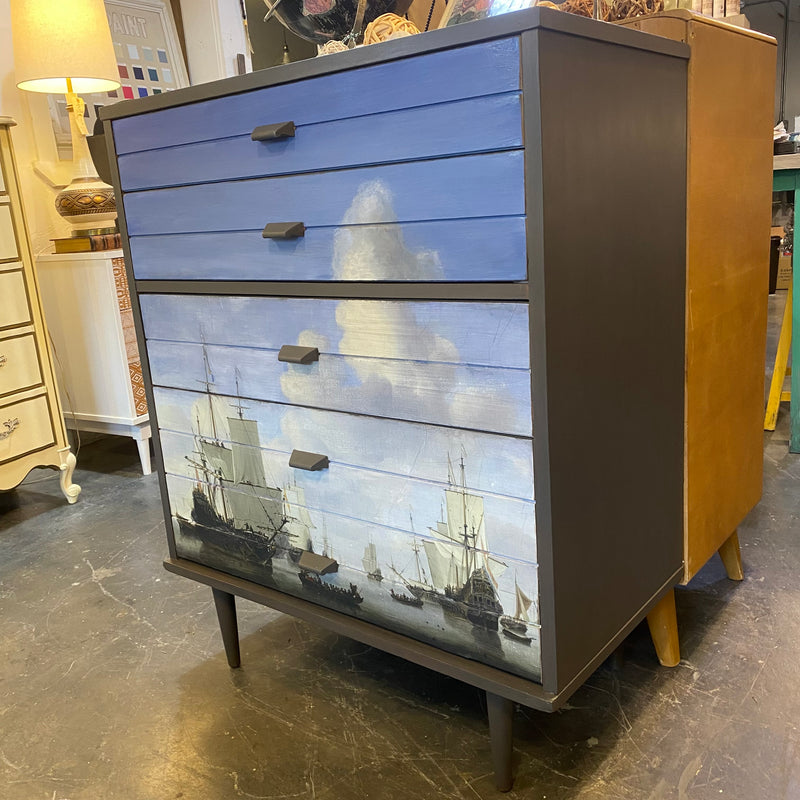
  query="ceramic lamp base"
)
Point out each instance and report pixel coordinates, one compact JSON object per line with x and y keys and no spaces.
{"x":87,"y":202}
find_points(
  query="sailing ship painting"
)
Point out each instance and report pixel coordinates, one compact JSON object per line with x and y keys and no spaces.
{"x":424,"y":529}
{"x":516,"y":626}
{"x":463,"y":575}
{"x":370,"y":562}
{"x":233,"y":511}
{"x":441,"y":582}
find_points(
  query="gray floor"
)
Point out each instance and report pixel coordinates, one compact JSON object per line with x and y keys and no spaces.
{"x":113,"y":683}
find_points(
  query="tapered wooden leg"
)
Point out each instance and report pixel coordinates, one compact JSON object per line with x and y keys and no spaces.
{"x":226,"y":614}
{"x":663,"y":624}
{"x":732,"y":557}
{"x":501,"y":718}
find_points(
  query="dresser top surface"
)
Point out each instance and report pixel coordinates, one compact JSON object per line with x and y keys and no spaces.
{"x":443,"y":39}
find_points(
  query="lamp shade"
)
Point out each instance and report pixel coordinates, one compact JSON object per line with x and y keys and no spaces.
{"x":59,"y":39}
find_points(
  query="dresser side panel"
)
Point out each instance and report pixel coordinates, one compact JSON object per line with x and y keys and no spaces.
{"x":614,"y":150}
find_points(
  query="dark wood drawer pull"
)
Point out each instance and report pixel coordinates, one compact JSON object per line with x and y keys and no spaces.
{"x":267,"y":133}
{"x":295,"y":354}
{"x":299,"y":459}
{"x":284,"y":230}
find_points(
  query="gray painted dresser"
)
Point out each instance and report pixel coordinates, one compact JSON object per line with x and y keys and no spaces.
{"x":413,"y":318}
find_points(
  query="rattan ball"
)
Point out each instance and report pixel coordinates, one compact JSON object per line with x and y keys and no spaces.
{"x":332,"y":46}
{"x":387,"y":25}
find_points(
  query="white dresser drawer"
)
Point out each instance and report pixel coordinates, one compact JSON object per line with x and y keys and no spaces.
{"x":14,"y":307}
{"x":8,"y":240}
{"x":25,"y":426}
{"x":19,"y":364}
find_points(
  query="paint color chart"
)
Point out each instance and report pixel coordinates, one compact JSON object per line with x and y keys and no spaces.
{"x":149,"y":61}
{"x":145,"y":62}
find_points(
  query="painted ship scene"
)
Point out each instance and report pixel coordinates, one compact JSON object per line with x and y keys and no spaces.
{"x":440,"y":584}
{"x":424,"y":522}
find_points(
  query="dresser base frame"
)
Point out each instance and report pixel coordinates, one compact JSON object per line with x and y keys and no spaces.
{"x":502,"y":689}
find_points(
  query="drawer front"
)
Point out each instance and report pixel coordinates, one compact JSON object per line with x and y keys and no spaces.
{"x":19,"y":364}
{"x":457,"y":364}
{"x":8,"y":239}
{"x":393,"y":498}
{"x":482,"y":333}
{"x":467,"y":126}
{"x":500,"y":465}
{"x":25,"y":427}
{"x":486,"y":249}
{"x":372,"y":574}
{"x":482,"y":69}
{"x":14,"y":307}
{"x":453,"y":188}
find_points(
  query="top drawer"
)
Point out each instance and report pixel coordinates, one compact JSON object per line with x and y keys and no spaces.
{"x":483,"y":69}
{"x":482,"y":124}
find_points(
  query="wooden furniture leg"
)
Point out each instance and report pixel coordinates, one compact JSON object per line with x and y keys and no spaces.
{"x":144,"y":454}
{"x":501,"y":718}
{"x":226,"y":614}
{"x":69,"y":489}
{"x":731,"y":557}
{"x":663,"y":624}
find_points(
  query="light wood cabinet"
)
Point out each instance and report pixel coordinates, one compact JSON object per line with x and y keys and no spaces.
{"x":729,"y":168}
{"x":32,"y":431}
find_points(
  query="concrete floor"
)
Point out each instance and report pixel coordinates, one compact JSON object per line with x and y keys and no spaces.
{"x":113,"y":683}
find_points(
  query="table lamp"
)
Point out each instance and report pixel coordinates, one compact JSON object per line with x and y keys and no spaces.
{"x":64,"y":47}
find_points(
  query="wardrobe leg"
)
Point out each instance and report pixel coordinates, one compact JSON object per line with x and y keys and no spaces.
{"x":501,"y":718}
{"x":663,"y":624}
{"x":226,"y":614}
{"x":732,"y":557}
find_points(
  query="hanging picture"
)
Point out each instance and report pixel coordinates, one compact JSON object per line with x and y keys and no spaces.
{"x":149,"y":61}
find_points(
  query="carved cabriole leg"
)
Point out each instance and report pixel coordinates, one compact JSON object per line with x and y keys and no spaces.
{"x":226,"y":614}
{"x":501,"y":718}
{"x":69,"y":489}
{"x":731,"y":557}
{"x":663,"y":624}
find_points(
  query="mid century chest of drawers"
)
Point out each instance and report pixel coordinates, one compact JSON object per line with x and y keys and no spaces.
{"x":413,"y":317}
{"x":32,"y":432}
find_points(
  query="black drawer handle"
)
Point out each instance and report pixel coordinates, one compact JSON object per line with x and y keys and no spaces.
{"x":295,"y":354}
{"x":268,"y":133}
{"x":284,"y":230}
{"x":299,"y":459}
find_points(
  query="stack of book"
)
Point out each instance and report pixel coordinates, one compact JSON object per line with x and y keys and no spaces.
{"x":87,"y":244}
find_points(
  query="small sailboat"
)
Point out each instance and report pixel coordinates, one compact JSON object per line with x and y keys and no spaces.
{"x":516,"y":627}
{"x":370,"y":563}
{"x":419,"y":586}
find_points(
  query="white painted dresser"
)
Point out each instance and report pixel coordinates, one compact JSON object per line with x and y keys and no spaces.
{"x":88,"y":307}
{"x":32,"y":431}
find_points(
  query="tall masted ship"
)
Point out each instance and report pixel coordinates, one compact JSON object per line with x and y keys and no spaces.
{"x":234,"y":512}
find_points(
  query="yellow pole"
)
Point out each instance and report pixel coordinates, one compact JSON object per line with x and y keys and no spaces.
{"x":776,"y":393}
